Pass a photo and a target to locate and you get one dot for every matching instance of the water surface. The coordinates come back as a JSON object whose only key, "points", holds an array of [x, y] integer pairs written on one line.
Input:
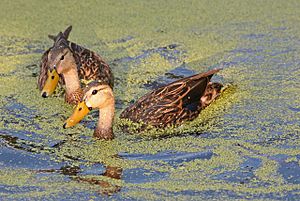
{"points": [[244, 146]]}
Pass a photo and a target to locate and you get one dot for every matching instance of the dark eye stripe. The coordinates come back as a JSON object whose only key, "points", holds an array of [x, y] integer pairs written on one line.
{"points": [[102, 88]]}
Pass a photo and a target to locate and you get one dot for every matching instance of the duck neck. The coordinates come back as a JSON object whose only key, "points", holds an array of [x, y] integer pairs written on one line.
{"points": [[104, 128], [73, 89]]}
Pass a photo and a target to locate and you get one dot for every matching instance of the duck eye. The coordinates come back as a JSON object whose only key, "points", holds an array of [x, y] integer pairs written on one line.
{"points": [[94, 92], [62, 57]]}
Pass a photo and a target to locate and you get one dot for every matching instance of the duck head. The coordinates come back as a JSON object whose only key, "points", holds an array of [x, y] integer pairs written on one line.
{"points": [[59, 55], [96, 96]]}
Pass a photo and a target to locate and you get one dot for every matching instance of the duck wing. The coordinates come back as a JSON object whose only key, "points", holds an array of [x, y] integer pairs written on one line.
{"points": [[171, 104]]}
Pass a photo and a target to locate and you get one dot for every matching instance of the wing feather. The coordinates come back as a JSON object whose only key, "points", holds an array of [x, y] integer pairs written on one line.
{"points": [[171, 104]]}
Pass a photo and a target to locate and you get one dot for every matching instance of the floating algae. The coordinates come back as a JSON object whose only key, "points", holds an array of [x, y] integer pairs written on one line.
{"points": [[244, 145]]}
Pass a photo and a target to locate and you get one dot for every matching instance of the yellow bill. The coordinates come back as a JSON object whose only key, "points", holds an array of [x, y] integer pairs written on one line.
{"points": [[79, 113], [50, 83]]}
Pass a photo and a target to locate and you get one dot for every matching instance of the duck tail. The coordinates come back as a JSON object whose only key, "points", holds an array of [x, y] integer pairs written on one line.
{"points": [[212, 91]]}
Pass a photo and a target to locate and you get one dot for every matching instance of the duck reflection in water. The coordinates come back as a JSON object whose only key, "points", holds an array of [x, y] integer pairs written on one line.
{"points": [[106, 188]]}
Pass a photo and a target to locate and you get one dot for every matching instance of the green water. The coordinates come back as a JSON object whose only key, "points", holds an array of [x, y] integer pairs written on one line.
{"points": [[244, 146]]}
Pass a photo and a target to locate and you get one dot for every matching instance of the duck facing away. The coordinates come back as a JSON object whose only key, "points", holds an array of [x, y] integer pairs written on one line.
{"points": [[73, 63], [172, 104]]}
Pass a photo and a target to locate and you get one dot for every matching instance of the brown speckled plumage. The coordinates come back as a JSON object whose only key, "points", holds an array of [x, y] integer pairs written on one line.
{"points": [[75, 97], [105, 134], [212, 91], [90, 66], [175, 102]]}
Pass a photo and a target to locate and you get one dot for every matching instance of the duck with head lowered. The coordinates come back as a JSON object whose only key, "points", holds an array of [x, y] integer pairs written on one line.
{"points": [[169, 105], [71, 63]]}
